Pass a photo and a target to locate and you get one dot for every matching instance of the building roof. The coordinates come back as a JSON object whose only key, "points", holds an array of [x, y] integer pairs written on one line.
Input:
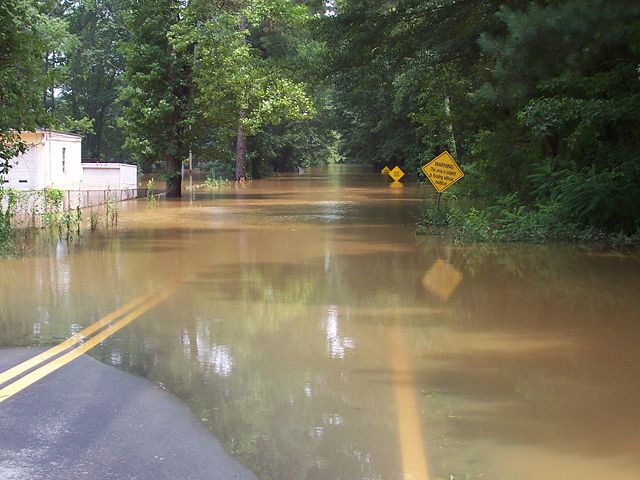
{"points": [[43, 131], [57, 132], [106, 165]]}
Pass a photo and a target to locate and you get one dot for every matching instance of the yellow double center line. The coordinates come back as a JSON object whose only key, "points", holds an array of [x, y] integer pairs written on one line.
{"points": [[136, 308], [412, 449]]}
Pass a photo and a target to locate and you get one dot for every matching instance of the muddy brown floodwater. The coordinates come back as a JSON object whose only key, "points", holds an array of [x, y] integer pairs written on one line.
{"points": [[318, 338]]}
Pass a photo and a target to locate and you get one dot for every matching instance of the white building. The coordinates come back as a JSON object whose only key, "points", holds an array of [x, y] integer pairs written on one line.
{"points": [[54, 159], [113, 176]]}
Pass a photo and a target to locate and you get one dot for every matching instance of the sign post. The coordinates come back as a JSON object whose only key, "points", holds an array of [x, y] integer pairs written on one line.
{"points": [[442, 172]]}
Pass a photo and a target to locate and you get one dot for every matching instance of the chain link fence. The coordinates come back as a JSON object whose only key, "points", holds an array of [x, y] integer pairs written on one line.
{"points": [[32, 205]]}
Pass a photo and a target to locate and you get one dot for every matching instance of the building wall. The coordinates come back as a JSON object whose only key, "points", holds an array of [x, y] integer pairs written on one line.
{"points": [[65, 162], [23, 172], [100, 178], [114, 176], [129, 176], [41, 166]]}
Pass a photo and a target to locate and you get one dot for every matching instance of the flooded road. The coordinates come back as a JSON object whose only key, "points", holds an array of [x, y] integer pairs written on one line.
{"points": [[318, 338]]}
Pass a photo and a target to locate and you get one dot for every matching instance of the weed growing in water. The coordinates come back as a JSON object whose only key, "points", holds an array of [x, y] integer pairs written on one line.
{"points": [[152, 195], [212, 183], [112, 209], [8, 203], [52, 215], [71, 219], [93, 219]]}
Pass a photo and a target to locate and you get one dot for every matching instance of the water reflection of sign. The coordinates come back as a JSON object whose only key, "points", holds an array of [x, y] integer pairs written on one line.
{"points": [[442, 172], [396, 173], [442, 279], [385, 171]]}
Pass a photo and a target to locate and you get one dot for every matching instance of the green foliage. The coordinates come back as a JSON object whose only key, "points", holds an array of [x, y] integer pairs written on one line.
{"points": [[8, 203], [282, 148], [93, 219], [540, 101], [24, 39], [155, 116], [566, 70], [212, 183], [230, 74], [93, 77], [543, 97], [509, 221], [219, 169], [53, 213], [152, 194], [112, 210]]}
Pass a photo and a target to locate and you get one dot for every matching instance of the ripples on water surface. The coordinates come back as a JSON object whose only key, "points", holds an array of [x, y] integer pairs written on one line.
{"points": [[319, 339]]}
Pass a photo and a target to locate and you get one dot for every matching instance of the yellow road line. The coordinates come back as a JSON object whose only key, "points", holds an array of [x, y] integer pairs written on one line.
{"points": [[414, 461], [81, 335], [31, 378]]}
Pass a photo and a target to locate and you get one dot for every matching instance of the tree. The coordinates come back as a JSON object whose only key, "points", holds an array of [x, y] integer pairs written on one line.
{"points": [[94, 71], [25, 39], [157, 89], [567, 74], [236, 85]]}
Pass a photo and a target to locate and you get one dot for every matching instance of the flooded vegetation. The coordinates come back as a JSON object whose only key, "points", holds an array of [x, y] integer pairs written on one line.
{"points": [[319, 338]]}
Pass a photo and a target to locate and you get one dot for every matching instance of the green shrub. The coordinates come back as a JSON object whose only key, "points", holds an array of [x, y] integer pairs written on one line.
{"points": [[506, 220]]}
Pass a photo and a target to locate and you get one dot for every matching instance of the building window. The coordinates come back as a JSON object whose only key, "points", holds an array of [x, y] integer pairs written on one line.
{"points": [[64, 160]]}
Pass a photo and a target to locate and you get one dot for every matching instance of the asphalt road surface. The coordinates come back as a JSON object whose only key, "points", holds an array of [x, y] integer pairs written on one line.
{"points": [[91, 421]]}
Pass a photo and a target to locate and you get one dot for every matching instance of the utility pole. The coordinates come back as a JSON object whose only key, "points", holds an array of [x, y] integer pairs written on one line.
{"points": [[190, 175]]}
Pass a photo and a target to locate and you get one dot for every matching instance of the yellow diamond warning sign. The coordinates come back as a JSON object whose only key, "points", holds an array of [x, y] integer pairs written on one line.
{"points": [[385, 171], [396, 173], [442, 172]]}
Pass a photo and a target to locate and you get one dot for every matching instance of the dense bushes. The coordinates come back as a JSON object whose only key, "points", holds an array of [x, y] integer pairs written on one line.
{"points": [[509, 221], [541, 100]]}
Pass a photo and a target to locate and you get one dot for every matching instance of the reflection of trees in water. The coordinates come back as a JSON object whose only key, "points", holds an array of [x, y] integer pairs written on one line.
{"points": [[527, 299], [36, 308], [565, 274], [48, 296], [248, 348], [286, 361]]}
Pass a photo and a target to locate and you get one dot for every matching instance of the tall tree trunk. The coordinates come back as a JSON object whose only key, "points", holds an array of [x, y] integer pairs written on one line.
{"points": [[241, 150], [174, 179], [45, 94], [447, 109], [241, 141]]}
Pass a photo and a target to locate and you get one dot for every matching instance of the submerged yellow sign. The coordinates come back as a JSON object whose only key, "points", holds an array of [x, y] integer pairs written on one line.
{"points": [[385, 171], [442, 172], [396, 173]]}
